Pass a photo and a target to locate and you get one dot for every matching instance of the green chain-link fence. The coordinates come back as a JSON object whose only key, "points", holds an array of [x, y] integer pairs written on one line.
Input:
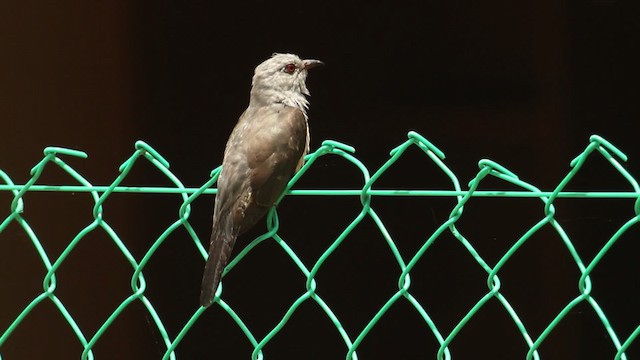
{"points": [[351, 337]]}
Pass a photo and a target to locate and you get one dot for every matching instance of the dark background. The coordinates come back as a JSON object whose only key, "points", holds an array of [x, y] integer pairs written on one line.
{"points": [[524, 83]]}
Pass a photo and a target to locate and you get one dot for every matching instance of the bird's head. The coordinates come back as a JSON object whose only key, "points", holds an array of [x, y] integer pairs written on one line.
{"points": [[281, 79]]}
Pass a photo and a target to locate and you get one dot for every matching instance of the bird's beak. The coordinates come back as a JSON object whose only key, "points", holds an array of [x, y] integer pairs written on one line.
{"points": [[310, 63]]}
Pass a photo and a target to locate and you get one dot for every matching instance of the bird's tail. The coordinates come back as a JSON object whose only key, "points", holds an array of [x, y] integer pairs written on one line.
{"points": [[222, 242]]}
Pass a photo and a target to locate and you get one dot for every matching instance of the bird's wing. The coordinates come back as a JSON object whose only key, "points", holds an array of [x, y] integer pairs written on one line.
{"points": [[276, 149], [262, 154]]}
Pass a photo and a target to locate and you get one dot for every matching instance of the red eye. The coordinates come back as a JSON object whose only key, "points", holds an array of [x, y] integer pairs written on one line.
{"points": [[289, 68]]}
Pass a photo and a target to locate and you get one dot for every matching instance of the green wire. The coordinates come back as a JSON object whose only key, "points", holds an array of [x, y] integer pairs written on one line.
{"points": [[351, 338]]}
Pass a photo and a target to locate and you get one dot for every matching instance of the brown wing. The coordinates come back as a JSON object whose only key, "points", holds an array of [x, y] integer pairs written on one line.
{"points": [[276, 154], [274, 143], [263, 152]]}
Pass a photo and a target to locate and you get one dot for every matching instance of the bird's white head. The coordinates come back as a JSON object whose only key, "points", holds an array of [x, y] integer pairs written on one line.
{"points": [[281, 79]]}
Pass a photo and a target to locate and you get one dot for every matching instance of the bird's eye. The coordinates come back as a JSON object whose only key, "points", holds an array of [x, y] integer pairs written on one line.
{"points": [[289, 68]]}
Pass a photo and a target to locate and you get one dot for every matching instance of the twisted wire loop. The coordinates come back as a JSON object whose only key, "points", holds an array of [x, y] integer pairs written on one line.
{"points": [[352, 338]]}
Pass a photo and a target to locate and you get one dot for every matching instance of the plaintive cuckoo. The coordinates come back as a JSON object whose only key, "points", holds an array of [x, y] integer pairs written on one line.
{"points": [[265, 149]]}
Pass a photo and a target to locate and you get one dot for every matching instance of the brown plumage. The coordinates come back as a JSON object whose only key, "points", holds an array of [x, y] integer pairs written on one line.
{"points": [[265, 149]]}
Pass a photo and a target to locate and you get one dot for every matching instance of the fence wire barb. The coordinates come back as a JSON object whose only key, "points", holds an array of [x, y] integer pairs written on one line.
{"points": [[352, 338]]}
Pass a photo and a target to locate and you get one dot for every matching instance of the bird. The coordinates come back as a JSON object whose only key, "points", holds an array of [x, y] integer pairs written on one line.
{"points": [[265, 149]]}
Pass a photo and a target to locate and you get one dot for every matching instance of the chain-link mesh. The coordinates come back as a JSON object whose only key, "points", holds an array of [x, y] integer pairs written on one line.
{"points": [[352, 338]]}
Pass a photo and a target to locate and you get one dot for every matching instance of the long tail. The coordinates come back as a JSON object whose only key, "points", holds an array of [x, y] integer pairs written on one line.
{"points": [[222, 242]]}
